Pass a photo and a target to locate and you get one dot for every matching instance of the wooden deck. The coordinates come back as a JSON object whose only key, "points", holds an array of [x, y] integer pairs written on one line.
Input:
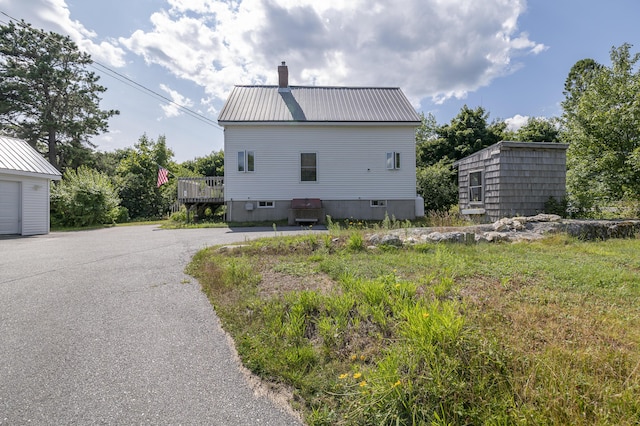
{"points": [[205, 190]]}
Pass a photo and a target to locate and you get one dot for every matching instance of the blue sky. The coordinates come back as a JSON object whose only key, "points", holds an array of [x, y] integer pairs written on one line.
{"points": [[509, 56]]}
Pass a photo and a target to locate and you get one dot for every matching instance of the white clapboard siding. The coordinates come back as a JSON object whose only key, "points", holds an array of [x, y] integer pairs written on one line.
{"points": [[351, 162]]}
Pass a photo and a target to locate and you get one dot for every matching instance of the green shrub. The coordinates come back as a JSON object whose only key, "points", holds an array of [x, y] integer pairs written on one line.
{"points": [[180, 215], [122, 214], [356, 242], [437, 185], [553, 206], [83, 198]]}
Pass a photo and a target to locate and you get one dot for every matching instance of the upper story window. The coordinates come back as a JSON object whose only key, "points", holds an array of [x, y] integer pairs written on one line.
{"points": [[475, 187], [308, 167], [393, 160], [246, 161]]}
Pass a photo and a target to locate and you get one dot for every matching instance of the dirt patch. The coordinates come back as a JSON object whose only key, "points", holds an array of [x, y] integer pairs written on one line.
{"points": [[276, 283]]}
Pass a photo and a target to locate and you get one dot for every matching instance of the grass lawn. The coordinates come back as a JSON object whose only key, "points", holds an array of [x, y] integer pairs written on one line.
{"points": [[543, 332]]}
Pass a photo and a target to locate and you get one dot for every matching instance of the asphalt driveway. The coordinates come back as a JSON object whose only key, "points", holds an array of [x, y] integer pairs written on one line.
{"points": [[103, 327]]}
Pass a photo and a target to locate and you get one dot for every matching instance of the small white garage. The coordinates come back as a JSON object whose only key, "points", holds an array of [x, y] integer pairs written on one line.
{"points": [[24, 188]]}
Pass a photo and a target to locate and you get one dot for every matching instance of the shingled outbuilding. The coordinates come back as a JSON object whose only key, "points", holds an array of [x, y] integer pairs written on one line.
{"points": [[511, 179]]}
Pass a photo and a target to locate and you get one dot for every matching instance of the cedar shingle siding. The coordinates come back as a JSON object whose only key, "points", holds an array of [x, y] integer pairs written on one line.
{"points": [[518, 178]]}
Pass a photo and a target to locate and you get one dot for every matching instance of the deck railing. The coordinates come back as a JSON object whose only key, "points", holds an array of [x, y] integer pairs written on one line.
{"points": [[208, 189]]}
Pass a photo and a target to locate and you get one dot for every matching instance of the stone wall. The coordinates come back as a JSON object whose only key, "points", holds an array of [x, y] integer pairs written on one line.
{"points": [[511, 229]]}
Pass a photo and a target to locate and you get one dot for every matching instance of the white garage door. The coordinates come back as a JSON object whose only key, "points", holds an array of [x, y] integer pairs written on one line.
{"points": [[9, 207]]}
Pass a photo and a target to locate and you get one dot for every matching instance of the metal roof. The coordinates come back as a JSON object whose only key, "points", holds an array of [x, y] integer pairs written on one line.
{"points": [[19, 158], [317, 104]]}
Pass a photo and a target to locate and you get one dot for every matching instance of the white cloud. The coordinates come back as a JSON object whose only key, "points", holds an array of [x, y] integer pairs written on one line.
{"points": [[54, 15], [173, 109], [516, 122], [435, 49], [430, 48]]}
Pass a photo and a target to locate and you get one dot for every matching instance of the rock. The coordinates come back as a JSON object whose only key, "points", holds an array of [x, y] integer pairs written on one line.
{"points": [[374, 239], [512, 229], [452, 237], [502, 225], [225, 249], [543, 217], [391, 240], [626, 229], [509, 224], [602, 229], [491, 237]]}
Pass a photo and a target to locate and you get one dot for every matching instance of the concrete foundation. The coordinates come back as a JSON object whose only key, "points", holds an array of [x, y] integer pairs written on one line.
{"points": [[250, 210]]}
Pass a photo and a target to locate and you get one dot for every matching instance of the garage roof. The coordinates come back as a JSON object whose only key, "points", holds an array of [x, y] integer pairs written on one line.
{"points": [[17, 157]]}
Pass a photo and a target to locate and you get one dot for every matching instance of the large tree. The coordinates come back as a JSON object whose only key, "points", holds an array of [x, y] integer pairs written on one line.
{"points": [[602, 120], [211, 165], [137, 175], [437, 147], [467, 133], [47, 94], [538, 130]]}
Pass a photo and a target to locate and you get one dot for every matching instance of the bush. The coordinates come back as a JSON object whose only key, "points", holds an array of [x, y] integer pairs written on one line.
{"points": [[180, 215], [84, 197], [553, 206], [437, 185], [122, 214]]}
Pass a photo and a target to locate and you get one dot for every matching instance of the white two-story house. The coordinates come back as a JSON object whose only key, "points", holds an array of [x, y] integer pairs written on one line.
{"points": [[350, 149]]}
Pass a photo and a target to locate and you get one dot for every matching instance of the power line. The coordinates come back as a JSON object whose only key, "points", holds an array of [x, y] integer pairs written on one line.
{"points": [[132, 83], [140, 87]]}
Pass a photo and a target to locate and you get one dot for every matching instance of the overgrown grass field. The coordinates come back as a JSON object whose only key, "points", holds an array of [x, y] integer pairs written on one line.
{"points": [[541, 332]]}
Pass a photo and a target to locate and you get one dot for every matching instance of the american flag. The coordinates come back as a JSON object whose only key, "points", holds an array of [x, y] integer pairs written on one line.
{"points": [[163, 176]]}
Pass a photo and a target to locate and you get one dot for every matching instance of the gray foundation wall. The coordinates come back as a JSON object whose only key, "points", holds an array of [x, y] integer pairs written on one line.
{"points": [[248, 210]]}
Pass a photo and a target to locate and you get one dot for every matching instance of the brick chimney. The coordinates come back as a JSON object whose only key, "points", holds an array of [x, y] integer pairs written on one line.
{"points": [[283, 77]]}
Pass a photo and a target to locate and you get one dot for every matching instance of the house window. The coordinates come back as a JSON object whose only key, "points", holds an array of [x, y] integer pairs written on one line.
{"points": [[308, 167], [266, 204], [246, 161], [393, 160], [378, 203], [475, 187]]}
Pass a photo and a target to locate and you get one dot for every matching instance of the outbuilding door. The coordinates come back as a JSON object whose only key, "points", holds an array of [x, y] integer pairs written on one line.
{"points": [[9, 207]]}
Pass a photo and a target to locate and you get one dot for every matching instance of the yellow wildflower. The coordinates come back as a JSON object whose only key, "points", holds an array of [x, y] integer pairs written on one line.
{"points": [[343, 376], [357, 375], [396, 384], [354, 357], [361, 357], [363, 384], [425, 315]]}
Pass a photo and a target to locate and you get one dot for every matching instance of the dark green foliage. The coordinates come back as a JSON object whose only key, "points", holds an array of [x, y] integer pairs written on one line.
{"points": [[137, 176], [437, 147], [211, 165], [467, 133], [47, 95], [84, 197], [553, 206], [437, 184], [538, 130], [602, 118]]}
